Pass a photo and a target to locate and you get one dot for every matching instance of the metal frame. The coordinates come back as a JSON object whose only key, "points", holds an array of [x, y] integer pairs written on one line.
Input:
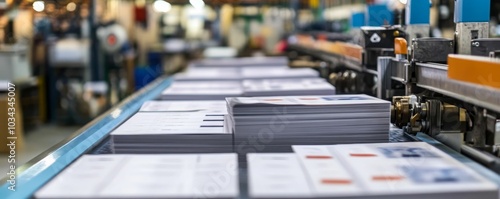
{"points": [[430, 76], [34, 174], [434, 77]]}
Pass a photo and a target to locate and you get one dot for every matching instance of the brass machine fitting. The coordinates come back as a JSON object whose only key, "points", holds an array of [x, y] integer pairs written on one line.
{"points": [[430, 116], [400, 111]]}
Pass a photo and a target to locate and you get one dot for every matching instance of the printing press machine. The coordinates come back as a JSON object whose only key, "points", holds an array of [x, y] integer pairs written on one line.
{"points": [[457, 114], [444, 88]]}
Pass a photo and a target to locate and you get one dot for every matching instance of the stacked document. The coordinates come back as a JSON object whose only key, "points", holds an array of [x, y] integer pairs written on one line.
{"points": [[412, 170], [232, 74], [273, 124], [146, 176], [277, 73], [219, 90], [172, 132], [209, 74], [207, 106], [202, 90], [243, 62], [286, 87]]}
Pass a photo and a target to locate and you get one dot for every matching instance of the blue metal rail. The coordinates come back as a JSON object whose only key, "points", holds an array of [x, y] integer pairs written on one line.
{"points": [[33, 175]]}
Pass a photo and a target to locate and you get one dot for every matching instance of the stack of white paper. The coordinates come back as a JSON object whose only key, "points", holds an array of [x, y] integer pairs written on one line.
{"points": [[147, 176], [172, 132], [232, 74], [208, 106], [390, 170], [209, 74], [202, 90], [273, 124], [219, 90], [286, 87], [277, 73], [242, 62]]}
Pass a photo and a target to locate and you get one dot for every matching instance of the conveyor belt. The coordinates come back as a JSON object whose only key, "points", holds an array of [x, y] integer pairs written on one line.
{"points": [[434, 77], [94, 139]]}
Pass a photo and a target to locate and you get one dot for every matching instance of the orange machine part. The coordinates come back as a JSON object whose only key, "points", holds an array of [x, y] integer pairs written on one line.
{"points": [[474, 69], [400, 46], [352, 51], [340, 48]]}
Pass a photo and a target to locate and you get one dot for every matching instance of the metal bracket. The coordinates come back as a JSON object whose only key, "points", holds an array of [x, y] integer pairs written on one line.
{"points": [[466, 32]]}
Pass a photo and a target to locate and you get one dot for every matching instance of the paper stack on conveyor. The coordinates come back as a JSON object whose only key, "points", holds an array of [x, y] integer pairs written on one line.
{"points": [[382, 171], [229, 74], [209, 106], [172, 132], [209, 74], [219, 90], [146, 176], [242, 62], [273, 124], [202, 90], [286, 87], [277, 73]]}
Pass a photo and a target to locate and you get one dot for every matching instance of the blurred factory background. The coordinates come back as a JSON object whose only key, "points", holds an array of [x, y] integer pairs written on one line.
{"points": [[71, 60]]}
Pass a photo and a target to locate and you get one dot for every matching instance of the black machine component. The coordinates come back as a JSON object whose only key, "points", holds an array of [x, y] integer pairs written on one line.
{"points": [[483, 47], [370, 56], [349, 82], [378, 41], [495, 54], [380, 37], [431, 49]]}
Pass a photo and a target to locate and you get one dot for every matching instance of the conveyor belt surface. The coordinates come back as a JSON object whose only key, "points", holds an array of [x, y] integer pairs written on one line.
{"points": [[94, 139]]}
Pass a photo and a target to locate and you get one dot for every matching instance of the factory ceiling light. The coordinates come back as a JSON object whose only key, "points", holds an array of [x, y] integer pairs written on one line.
{"points": [[38, 6], [161, 6], [71, 7], [403, 1]]}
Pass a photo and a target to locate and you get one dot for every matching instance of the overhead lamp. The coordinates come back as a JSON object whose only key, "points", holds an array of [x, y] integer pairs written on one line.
{"points": [[71, 7], [403, 1], [162, 6], [198, 4], [38, 6]]}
